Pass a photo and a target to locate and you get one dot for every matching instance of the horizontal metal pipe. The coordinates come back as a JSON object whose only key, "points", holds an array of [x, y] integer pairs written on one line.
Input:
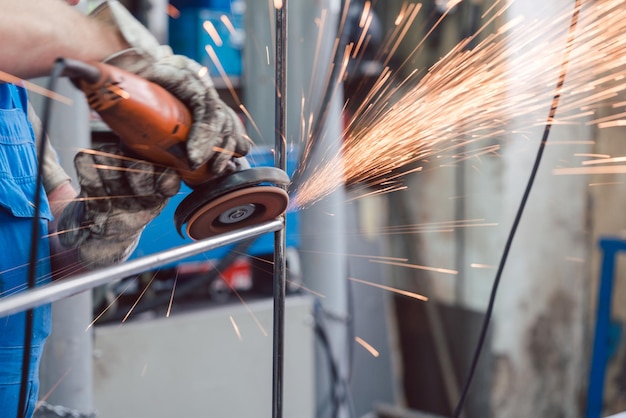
{"points": [[71, 286]]}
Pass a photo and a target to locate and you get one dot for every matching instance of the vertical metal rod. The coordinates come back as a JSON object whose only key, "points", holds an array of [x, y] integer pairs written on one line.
{"points": [[280, 236]]}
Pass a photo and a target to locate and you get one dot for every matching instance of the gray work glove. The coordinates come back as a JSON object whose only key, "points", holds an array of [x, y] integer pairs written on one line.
{"points": [[118, 197], [217, 134]]}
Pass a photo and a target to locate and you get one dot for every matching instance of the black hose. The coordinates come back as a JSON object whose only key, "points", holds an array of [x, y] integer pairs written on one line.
{"points": [[32, 267], [520, 211]]}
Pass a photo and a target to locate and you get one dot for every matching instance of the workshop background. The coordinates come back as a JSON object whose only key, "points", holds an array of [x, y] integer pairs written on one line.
{"points": [[355, 346]]}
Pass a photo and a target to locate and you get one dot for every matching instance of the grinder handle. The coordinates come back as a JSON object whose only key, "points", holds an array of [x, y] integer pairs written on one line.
{"points": [[149, 120]]}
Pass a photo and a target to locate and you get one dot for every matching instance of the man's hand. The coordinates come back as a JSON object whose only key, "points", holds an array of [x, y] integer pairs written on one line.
{"points": [[217, 134], [119, 196]]}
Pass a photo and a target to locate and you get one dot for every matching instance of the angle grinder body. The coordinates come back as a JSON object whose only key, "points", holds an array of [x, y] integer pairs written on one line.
{"points": [[153, 125]]}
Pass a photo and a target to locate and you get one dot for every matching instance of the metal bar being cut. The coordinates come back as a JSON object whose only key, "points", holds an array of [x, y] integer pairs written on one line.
{"points": [[71, 286], [280, 268]]}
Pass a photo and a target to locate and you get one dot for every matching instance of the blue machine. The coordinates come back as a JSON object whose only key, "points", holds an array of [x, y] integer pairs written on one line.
{"points": [[210, 24]]}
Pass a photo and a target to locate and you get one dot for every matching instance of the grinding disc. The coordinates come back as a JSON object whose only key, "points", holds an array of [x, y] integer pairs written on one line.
{"points": [[204, 195], [235, 210]]}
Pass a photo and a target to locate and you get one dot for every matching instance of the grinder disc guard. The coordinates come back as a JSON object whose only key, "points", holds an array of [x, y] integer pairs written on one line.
{"points": [[240, 199]]}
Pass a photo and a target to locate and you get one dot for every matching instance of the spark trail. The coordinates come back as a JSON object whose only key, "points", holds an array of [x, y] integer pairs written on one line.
{"points": [[473, 97]]}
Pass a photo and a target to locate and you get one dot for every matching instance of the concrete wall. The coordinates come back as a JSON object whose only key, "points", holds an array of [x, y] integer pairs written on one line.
{"points": [[539, 335], [607, 194]]}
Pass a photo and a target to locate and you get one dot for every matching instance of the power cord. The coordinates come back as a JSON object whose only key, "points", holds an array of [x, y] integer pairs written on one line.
{"points": [[340, 390], [520, 210], [33, 257]]}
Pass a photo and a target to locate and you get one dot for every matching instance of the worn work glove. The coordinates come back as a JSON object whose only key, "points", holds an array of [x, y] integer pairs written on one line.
{"points": [[217, 134], [118, 197]]}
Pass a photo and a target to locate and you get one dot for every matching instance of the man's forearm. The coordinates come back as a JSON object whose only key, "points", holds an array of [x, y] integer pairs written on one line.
{"points": [[34, 33]]}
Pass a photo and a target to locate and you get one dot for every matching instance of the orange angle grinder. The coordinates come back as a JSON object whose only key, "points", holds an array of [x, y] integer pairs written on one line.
{"points": [[153, 125]]}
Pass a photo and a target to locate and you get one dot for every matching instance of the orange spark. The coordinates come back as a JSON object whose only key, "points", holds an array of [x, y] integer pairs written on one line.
{"points": [[356, 255], [367, 346], [391, 289], [444, 226], [365, 15], [113, 302], [482, 266], [235, 327], [169, 306], [172, 11], [119, 91], [592, 155], [608, 183], [216, 61], [229, 25], [212, 31], [620, 169], [243, 302], [52, 389], [605, 160], [139, 298], [480, 94], [8, 78], [417, 267]]}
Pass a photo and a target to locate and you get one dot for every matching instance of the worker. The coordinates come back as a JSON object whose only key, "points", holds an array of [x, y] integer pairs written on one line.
{"points": [[93, 226]]}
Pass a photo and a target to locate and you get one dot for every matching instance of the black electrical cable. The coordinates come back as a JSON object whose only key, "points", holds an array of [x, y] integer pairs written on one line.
{"points": [[320, 330], [32, 267], [351, 334], [351, 328], [341, 392], [520, 210]]}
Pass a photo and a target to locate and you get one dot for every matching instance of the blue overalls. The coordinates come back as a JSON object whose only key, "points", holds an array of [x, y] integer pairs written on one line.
{"points": [[18, 175]]}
